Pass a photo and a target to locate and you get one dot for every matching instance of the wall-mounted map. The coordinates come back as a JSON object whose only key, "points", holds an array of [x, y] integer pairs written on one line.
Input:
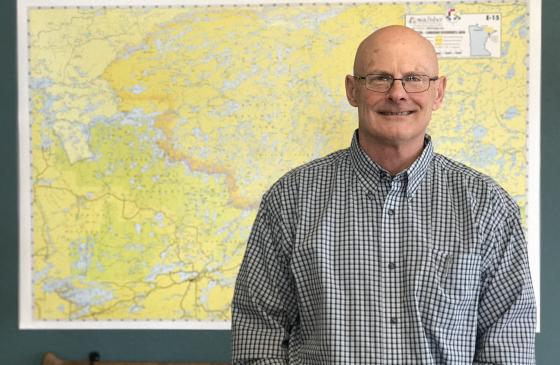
{"points": [[148, 135]]}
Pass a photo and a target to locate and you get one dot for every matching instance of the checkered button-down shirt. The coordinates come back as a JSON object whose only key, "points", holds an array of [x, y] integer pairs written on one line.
{"points": [[348, 265]]}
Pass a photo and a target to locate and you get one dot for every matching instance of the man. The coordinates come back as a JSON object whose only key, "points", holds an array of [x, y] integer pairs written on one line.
{"points": [[386, 252]]}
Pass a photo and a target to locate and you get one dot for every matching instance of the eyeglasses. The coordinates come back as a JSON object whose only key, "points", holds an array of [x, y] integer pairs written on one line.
{"points": [[411, 83]]}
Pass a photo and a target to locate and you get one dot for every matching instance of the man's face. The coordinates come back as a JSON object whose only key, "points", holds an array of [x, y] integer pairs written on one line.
{"points": [[395, 118]]}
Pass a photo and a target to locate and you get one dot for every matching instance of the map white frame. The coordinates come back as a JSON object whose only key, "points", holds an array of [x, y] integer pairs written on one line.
{"points": [[25, 228]]}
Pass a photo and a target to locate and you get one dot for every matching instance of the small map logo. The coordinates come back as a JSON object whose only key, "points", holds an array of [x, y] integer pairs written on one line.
{"points": [[453, 15]]}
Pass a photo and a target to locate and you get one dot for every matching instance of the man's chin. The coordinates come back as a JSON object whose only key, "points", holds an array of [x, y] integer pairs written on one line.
{"points": [[393, 137]]}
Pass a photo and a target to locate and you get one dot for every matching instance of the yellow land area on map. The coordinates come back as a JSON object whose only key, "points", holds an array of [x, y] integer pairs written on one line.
{"points": [[155, 131]]}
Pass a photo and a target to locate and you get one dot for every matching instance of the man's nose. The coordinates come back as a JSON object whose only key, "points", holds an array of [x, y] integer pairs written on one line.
{"points": [[397, 91]]}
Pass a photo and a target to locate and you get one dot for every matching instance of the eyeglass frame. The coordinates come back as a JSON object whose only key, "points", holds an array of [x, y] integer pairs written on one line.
{"points": [[430, 79]]}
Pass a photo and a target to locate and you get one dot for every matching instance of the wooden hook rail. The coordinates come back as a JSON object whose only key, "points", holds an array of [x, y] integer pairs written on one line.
{"points": [[95, 359]]}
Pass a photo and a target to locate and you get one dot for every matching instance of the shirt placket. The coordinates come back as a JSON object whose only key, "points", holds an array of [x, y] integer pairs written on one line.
{"points": [[390, 265]]}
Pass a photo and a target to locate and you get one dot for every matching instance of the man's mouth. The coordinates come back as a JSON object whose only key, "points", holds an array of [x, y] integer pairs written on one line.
{"points": [[397, 113]]}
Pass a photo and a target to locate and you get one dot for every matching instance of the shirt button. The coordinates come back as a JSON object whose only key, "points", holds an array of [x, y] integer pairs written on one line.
{"points": [[392, 266], [391, 212], [370, 196], [393, 320]]}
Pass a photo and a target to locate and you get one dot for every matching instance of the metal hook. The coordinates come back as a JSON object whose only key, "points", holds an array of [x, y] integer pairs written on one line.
{"points": [[93, 357]]}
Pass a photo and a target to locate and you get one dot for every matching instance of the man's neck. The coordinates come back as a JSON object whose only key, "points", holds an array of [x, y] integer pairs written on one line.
{"points": [[393, 157]]}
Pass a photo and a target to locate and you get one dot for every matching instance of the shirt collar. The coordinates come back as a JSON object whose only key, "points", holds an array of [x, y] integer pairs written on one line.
{"points": [[370, 173]]}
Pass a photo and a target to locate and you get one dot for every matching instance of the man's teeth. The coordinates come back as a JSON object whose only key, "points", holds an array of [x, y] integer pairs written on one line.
{"points": [[397, 113]]}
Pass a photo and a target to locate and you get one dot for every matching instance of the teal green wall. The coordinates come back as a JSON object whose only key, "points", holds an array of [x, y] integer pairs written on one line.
{"points": [[26, 347], [548, 341]]}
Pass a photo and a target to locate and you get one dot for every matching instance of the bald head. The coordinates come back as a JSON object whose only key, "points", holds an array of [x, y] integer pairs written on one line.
{"points": [[394, 119], [395, 38]]}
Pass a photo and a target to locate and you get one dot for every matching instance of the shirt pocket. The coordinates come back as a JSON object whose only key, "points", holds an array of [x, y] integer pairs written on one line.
{"points": [[457, 275]]}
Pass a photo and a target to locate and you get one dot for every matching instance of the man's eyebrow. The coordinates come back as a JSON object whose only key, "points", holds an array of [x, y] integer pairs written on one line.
{"points": [[385, 73]]}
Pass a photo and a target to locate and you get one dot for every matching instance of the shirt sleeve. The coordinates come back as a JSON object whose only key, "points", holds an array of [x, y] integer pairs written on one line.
{"points": [[507, 310], [264, 306]]}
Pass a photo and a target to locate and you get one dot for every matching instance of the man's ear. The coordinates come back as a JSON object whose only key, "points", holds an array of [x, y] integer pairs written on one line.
{"points": [[351, 89], [441, 83]]}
